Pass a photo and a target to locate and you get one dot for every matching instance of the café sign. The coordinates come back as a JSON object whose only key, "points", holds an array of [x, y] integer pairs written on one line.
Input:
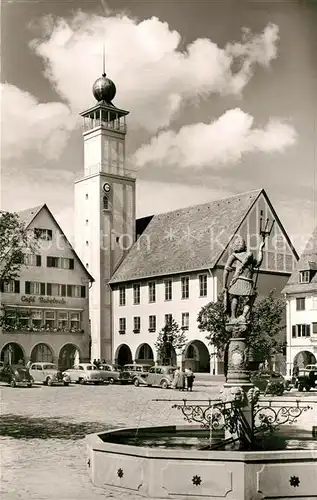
{"points": [[33, 299]]}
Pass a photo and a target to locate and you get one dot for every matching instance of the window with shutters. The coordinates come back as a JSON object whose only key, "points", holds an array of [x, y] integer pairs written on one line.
{"points": [[122, 326], [122, 296], [152, 291], [301, 330], [314, 328], [136, 294], [31, 259], [185, 321], [185, 287], [34, 288], [152, 323], [300, 304], [202, 285], [168, 319], [12, 286], [168, 289], [136, 324]]}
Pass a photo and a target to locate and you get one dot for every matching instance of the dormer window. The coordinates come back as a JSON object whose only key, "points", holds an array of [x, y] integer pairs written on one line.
{"points": [[304, 276]]}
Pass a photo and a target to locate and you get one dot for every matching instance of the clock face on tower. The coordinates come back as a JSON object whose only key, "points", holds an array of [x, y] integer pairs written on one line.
{"points": [[106, 187]]}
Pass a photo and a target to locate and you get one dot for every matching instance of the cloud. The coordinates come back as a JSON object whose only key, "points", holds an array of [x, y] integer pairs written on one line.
{"points": [[220, 142], [30, 125], [154, 76]]}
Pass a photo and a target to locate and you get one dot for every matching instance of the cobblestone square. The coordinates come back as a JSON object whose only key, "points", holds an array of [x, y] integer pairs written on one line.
{"points": [[43, 454]]}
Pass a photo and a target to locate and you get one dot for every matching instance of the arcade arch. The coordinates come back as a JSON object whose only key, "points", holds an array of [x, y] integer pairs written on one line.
{"points": [[196, 356], [304, 358], [144, 354], [123, 355], [42, 352], [12, 353], [69, 355]]}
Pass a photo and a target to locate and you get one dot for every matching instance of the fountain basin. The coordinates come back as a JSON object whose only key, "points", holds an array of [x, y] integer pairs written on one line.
{"points": [[166, 462]]}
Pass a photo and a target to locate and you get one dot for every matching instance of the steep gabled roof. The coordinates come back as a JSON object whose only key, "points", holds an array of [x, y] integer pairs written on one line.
{"points": [[307, 262], [185, 240], [27, 216]]}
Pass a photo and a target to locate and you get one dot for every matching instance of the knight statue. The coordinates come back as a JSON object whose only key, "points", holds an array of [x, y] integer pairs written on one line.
{"points": [[242, 287]]}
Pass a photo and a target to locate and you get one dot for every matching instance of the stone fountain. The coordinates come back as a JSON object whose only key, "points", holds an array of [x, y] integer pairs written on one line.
{"points": [[236, 447]]}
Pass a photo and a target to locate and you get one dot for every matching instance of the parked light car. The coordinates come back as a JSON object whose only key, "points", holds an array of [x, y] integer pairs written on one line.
{"points": [[48, 374], [161, 376], [270, 382], [16, 375], [114, 373], [85, 373], [136, 370]]}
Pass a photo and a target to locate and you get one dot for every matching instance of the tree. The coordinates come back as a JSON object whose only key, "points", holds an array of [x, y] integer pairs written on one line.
{"points": [[14, 239], [267, 321], [169, 337]]}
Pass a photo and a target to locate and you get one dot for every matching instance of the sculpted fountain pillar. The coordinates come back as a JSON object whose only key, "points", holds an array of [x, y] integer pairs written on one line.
{"points": [[239, 297]]}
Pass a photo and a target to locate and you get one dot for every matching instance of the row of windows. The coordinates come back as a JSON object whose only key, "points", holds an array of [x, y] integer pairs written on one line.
{"points": [[304, 330], [45, 320], [58, 262], [38, 288], [168, 291], [152, 323]]}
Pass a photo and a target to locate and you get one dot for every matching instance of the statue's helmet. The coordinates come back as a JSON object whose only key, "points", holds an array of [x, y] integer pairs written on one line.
{"points": [[239, 245]]}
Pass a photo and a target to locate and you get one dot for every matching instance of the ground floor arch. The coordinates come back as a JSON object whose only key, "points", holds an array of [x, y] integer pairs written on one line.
{"points": [[304, 358], [144, 354], [196, 356], [69, 355], [123, 355], [42, 352], [12, 353]]}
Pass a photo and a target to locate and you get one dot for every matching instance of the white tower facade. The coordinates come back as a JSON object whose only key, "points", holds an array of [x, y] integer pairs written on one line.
{"points": [[104, 208]]}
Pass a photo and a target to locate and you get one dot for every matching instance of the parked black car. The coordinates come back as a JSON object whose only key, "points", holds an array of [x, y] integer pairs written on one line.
{"points": [[307, 378], [16, 375], [270, 382]]}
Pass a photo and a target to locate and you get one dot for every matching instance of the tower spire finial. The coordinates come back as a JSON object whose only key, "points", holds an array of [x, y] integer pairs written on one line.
{"points": [[103, 60]]}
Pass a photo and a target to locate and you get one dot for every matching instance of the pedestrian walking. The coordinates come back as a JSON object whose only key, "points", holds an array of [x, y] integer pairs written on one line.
{"points": [[190, 379], [176, 378]]}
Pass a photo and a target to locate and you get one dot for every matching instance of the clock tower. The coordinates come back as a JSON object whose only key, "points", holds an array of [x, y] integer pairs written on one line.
{"points": [[104, 208]]}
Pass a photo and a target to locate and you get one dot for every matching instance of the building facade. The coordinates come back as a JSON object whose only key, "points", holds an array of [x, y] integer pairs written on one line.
{"points": [[47, 309], [301, 300], [176, 266]]}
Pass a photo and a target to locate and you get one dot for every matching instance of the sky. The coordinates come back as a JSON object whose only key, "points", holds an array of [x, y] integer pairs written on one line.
{"points": [[222, 98]]}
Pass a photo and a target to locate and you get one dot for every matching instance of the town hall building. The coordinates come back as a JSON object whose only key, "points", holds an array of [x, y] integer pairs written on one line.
{"points": [[163, 266]]}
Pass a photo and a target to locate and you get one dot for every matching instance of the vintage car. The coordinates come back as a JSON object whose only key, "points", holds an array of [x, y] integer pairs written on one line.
{"points": [[136, 370], [270, 382], [161, 376], [48, 374], [306, 378], [114, 374], [16, 375], [85, 373]]}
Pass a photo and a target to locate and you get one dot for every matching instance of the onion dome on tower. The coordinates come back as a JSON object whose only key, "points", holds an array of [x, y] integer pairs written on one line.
{"points": [[104, 89]]}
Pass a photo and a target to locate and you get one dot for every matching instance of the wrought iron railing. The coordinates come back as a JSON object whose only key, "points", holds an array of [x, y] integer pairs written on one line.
{"points": [[266, 416]]}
